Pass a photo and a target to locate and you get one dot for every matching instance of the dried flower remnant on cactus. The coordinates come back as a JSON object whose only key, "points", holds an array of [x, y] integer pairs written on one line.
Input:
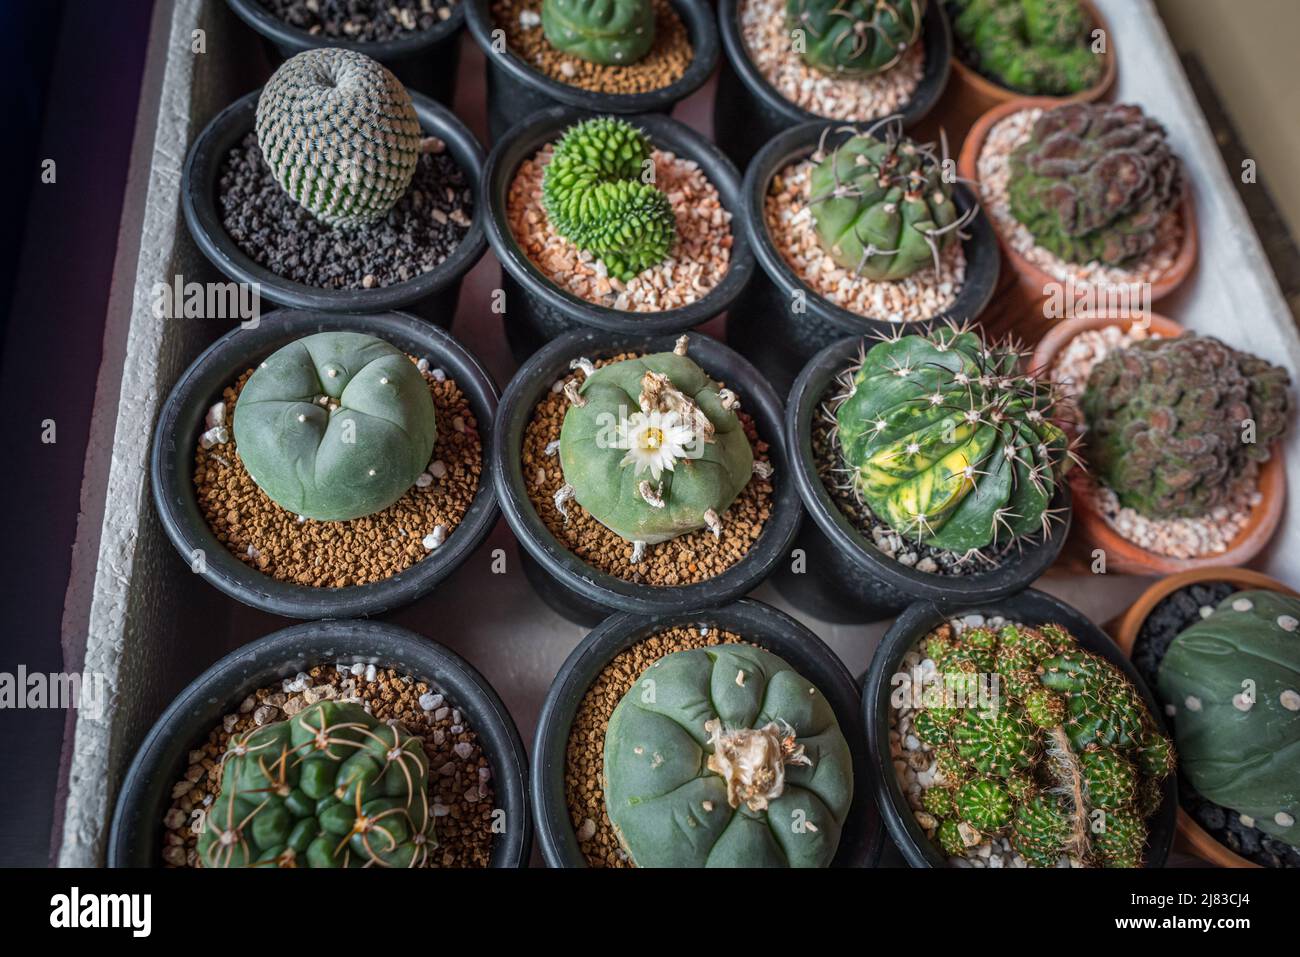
{"points": [[1038, 47], [609, 32], [854, 38]]}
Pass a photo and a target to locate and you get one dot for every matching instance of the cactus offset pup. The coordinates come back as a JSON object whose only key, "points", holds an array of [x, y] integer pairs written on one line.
{"points": [[854, 38], [608, 32]]}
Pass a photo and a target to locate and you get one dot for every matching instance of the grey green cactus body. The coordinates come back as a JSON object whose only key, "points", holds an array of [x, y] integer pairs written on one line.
{"points": [[854, 38], [609, 32]]}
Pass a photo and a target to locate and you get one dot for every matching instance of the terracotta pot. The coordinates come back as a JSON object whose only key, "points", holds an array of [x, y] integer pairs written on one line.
{"points": [[1125, 630]]}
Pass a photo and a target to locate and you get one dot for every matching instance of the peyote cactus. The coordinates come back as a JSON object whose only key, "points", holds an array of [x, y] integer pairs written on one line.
{"points": [[1233, 680], [1063, 756], [1178, 427], [329, 787], [1039, 47], [854, 37], [335, 425], [609, 32], [673, 465], [946, 440], [340, 134], [596, 195], [1094, 181], [881, 206], [726, 757]]}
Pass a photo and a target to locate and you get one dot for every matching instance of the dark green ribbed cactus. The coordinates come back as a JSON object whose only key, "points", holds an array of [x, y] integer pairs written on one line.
{"points": [[1038, 47], [335, 425], [610, 32], [329, 787], [949, 442], [1177, 427], [854, 37], [599, 194], [340, 134]]}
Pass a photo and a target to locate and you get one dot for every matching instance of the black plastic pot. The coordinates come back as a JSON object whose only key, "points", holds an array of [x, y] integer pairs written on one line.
{"points": [[517, 91], [432, 295], [181, 422], [1031, 607], [780, 331], [536, 310], [424, 61], [748, 111], [847, 579], [863, 836], [135, 838], [567, 583]]}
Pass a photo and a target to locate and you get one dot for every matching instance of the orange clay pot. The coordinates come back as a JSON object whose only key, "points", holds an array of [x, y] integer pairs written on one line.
{"points": [[1125, 630]]}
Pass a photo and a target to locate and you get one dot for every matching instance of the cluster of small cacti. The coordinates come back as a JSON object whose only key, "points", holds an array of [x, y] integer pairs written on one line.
{"points": [[854, 37], [340, 134], [1061, 755], [949, 442], [1039, 47], [331, 786], [335, 426], [1232, 682], [1176, 426], [1094, 182], [599, 194], [609, 32], [726, 757]]}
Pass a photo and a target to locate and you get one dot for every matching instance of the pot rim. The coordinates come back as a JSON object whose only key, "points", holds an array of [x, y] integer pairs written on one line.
{"points": [[283, 34]]}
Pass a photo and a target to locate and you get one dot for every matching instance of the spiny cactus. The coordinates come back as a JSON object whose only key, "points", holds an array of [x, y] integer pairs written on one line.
{"points": [[329, 787], [948, 441], [881, 206], [610, 32], [335, 425], [1094, 181], [854, 37], [599, 194], [673, 465], [340, 134], [1039, 47], [1178, 427]]}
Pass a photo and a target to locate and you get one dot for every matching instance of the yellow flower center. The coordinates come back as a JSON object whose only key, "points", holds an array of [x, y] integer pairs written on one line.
{"points": [[652, 439]]}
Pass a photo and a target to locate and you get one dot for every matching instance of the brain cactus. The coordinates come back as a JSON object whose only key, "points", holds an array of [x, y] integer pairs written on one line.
{"points": [[1094, 181], [881, 206], [674, 464], [610, 32], [1040, 47], [1234, 682], [329, 787], [340, 135], [726, 757], [1178, 427], [854, 37], [596, 195], [946, 440], [1062, 756], [335, 426]]}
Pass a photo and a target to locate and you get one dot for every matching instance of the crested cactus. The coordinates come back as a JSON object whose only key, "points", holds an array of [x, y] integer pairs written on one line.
{"points": [[609, 32], [335, 426], [1094, 181], [598, 193], [1178, 427], [949, 442], [328, 787], [726, 757], [340, 134], [854, 38], [1038, 47], [1233, 680]]}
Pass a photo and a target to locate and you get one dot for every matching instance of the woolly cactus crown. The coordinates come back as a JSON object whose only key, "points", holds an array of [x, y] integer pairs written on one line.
{"points": [[340, 134], [610, 32], [855, 37]]}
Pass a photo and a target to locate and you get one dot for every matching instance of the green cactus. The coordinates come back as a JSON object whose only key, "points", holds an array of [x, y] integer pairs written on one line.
{"points": [[938, 801], [984, 804], [609, 32], [598, 193], [855, 38], [335, 425], [1041, 828], [1038, 47], [1233, 680], [329, 787], [1178, 427], [1094, 181], [949, 837], [725, 757], [340, 134], [1000, 743], [933, 725], [946, 440]]}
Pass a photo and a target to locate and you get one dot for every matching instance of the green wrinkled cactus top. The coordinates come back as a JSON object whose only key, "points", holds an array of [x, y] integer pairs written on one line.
{"points": [[335, 425], [726, 757], [854, 38], [1038, 47], [609, 32]]}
